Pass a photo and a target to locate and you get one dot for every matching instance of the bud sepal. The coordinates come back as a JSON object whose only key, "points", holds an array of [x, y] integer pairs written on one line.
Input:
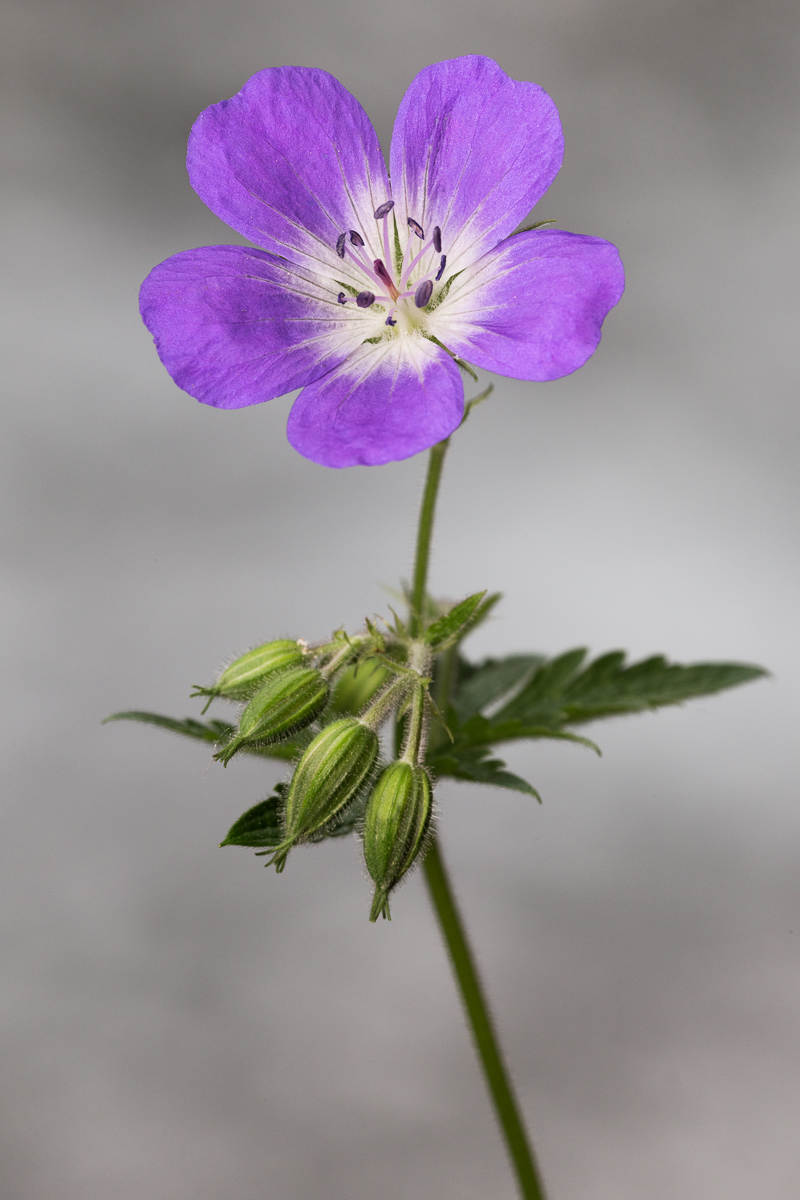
{"points": [[331, 771], [246, 674], [396, 823], [289, 701]]}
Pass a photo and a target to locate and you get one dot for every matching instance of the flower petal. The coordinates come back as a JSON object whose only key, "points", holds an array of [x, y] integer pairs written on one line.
{"points": [[387, 402], [235, 326], [472, 152], [533, 308], [290, 161]]}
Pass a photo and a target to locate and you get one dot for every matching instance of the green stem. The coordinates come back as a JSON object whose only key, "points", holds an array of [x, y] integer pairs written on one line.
{"points": [[486, 1043], [424, 533], [444, 903]]}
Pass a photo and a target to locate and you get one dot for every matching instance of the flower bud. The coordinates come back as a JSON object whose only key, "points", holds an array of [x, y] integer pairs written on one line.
{"points": [[244, 676], [288, 701], [329, 774], [396, 821], [357, 685]]}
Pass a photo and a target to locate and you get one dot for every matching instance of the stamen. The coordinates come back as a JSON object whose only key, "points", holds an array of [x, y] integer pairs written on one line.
{"points": [[389, 320], [362, 263], [416, 228], [340, 241], [384, 211], [342, 298], [365, 299], [408, 269], [440, 272], [356, 238], [437, 239], [423, 293]]}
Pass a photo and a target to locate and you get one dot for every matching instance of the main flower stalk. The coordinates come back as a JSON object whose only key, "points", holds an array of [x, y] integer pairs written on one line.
{"points": [[468, 981]]}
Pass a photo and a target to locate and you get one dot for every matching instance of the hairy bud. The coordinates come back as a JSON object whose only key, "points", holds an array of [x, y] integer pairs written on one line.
{"points": [[396, 821], [288, 701], [329, 774], [244, 676]]}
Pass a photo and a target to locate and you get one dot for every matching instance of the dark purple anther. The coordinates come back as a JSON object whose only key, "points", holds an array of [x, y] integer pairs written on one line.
{"points": [[437, 239], [440, 272], [416, 228], [383, 209], [342, 298], [389, 321], [340, 241], [356, 238], [365, 299], [423, 293]]}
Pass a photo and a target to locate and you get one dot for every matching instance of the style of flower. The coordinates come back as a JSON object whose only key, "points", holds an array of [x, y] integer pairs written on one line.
{"points": [[364, 292]]}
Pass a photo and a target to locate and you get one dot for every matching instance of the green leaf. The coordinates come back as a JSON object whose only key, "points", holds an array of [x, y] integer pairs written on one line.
{"points": [[560, 693], [215, 732], [346, 822], [473, 764], [491, 681], [204, 731], [482, 611], [453, 625], [486, 731], [260, 826]]}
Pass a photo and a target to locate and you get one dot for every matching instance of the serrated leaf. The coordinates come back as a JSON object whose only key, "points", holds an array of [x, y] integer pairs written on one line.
{"points": [[473, 764], [260, 826], [214, 732], [454, 623], [485, 731], [482, 611], [491, 681], [560, 694], [204, 731]]}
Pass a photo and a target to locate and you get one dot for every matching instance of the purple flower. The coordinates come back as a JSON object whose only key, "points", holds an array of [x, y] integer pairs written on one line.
{"points": [[365, 290]]}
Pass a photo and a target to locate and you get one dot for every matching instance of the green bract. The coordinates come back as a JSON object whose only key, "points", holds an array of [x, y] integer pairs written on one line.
{"points": [[329, 774], [397, 819], [288, 701], [245, 674]]}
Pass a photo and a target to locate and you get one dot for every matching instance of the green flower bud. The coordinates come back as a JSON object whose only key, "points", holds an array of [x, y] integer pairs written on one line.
{"points": [[288, 701], [396, 821], [329, 774], [357, 685], [244, 676]]}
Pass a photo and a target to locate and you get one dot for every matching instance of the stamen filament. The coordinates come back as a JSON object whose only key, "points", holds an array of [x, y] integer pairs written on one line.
{"points": [[387, 255], [359, 261], [407, 271]]}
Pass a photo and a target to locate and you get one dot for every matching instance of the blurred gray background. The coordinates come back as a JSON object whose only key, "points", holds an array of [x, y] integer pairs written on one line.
{"points": [[179, 1024]]}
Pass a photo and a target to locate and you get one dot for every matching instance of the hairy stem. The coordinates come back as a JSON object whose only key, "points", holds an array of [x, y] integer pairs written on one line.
{"points": [[467, 979], [424, 534], [477, 1012]]}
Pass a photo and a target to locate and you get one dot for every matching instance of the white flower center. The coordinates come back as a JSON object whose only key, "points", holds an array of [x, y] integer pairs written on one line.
{"points": [[395, 284]]}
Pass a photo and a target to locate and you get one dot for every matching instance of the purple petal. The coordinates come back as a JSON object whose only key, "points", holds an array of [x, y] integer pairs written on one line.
{"points": [[387, 402], [472, 152], [533, 308], [290, 162], [235, 326]]}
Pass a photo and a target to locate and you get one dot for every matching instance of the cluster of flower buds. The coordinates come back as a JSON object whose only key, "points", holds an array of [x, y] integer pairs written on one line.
{"points": [[336, 696]]}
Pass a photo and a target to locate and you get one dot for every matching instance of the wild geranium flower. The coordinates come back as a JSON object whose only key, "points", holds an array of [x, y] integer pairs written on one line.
{"points": [[368, 285]]}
